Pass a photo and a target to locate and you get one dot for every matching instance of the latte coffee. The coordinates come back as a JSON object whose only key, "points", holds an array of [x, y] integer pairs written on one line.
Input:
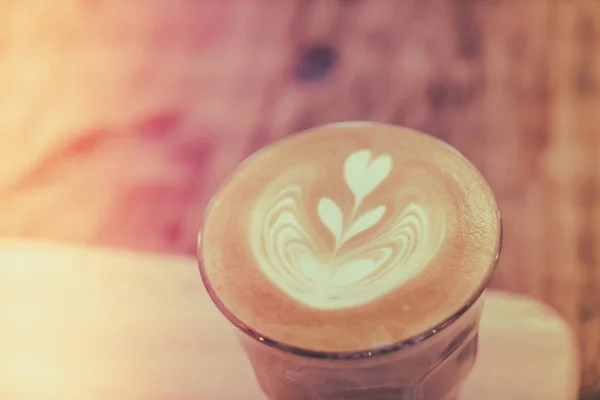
{"points": [[338, 249]]}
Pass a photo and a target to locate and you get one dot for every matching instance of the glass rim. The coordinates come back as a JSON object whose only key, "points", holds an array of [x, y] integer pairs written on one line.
{"points": [[355, 354]]}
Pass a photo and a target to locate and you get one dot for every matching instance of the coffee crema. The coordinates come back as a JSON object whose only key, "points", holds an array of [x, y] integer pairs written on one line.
{"points": [[349, 237]]}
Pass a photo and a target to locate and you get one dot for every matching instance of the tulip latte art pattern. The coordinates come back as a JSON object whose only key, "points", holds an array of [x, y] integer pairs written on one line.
{"points": [[339, 272]]}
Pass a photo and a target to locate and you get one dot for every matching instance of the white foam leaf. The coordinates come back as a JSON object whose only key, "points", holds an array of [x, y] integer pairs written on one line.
{"points": [[377, 171], [331, 216], [309, 267], [353, 272], [355, 169], [363, 174], [366, 221]]}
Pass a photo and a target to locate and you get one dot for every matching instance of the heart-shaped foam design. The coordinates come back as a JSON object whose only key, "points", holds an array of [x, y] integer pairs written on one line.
{"points": [[349, 274]]}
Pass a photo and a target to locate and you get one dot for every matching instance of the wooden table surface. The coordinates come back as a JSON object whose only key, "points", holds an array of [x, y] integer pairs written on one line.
{"points": [[119, 118], [90, 323]]}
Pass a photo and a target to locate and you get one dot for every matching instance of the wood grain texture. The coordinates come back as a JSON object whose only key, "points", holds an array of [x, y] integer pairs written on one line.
{"points": [[120, 118], [92, 323]]}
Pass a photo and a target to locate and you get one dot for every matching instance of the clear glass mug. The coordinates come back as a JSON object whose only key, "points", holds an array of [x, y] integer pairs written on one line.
{"points": [[432, 365]]}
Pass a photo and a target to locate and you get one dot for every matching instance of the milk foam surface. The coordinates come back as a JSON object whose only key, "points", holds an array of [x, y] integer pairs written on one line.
{"points": [[327, 239], [334, 273]]}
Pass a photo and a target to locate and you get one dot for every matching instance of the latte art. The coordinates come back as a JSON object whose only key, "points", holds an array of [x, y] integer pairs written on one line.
{"points": [[337, 272], [349, 236]]}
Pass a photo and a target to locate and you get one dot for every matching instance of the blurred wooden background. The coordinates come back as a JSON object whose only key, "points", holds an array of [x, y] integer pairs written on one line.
{"points": [[118, 118]]}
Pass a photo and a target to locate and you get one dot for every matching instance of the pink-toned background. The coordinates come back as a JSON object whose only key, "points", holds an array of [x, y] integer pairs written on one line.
{"points": [[119, 118]]}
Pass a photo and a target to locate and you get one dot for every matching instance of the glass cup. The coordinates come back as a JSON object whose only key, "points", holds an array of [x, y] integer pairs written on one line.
{"points": [[430, 366]]}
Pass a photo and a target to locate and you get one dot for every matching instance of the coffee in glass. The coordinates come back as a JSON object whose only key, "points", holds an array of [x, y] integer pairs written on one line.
{"points": [[352, 258]]}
